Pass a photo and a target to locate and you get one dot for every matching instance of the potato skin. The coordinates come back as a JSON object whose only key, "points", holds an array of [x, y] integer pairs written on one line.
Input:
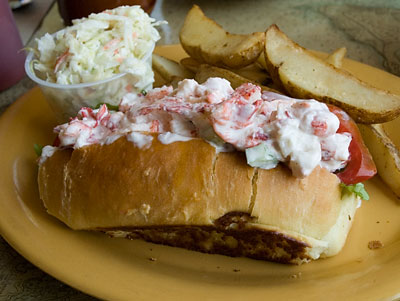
{"points": [[169, 69], [359, 114], [384, 153], [300, 74], [206, 71], [206, 41]]}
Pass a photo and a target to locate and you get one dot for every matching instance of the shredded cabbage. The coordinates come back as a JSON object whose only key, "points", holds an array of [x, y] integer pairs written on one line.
{"points": [[100, 46]]}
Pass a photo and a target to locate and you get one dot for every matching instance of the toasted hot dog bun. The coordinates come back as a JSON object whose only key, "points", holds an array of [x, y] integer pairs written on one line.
{"points": [[186, 194]]}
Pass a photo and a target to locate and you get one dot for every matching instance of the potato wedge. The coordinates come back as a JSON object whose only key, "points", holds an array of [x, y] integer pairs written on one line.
{"points": [[261, 61], [175, 81], [384, 153], [190, 64], [336, 57], [159, 81], [303, 75], [206, 71], [255, 73], [169, 69], [206, 41]]}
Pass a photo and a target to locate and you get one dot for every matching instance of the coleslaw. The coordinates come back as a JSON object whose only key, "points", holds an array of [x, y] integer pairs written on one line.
{"points": [[99, 47]]}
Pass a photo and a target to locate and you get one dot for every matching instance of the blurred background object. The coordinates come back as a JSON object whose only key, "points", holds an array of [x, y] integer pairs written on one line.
{"points": [[12, 56], [15, 4], [75, 9]]}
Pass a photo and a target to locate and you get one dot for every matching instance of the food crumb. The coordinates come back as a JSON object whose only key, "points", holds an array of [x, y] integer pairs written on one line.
{"points": [[236, 270], [295, 276], [152, 259], [377, 222], [375, 244]]}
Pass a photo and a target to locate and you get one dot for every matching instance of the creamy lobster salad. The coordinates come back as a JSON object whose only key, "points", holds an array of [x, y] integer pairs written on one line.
{"points": [[269, 127]]}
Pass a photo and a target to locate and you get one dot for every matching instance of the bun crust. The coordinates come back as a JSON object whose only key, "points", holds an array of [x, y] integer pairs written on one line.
{"points": [[185, 194]]}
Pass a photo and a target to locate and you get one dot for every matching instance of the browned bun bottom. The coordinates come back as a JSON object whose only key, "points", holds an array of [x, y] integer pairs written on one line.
{"points": [[186, 194]]}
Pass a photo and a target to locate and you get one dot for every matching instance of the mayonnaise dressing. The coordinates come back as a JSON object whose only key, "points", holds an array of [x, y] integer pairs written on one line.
{"points": [[301, 133], [168, 137], [47, 152], [140, 140]]}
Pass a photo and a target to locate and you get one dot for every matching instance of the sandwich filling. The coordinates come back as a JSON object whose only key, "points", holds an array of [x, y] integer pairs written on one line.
{"points": [[269, 127]]}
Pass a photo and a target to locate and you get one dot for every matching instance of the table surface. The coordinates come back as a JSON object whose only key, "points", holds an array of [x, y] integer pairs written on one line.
{"points": [[368, 29]]}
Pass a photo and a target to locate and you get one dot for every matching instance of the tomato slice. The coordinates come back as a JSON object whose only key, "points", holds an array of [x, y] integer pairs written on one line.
{"points": [[360, 166], [56, 141]]}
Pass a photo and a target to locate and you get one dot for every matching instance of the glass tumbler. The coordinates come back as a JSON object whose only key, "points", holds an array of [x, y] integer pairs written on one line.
{"points": [[12, 55]]}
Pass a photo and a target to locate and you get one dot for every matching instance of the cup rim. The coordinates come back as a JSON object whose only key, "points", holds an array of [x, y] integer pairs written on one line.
{"points": [[31, 74]]}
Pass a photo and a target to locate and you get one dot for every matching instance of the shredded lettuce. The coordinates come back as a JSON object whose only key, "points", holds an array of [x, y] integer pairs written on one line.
{"points": [[38, 149], [262, 156], [358, 189], [110, 107]]}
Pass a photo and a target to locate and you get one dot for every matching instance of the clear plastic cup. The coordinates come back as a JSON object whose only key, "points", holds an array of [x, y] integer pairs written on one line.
{"points": [[67, 100], [11, 54]]}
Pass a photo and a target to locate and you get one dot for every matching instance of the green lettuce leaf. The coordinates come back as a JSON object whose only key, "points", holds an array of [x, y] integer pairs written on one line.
{"points": [[109, 106], [38, 149], [358, 189]]}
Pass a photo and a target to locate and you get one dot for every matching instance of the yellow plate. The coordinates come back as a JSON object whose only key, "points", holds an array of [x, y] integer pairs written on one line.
{"points": [[134, 270]]}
